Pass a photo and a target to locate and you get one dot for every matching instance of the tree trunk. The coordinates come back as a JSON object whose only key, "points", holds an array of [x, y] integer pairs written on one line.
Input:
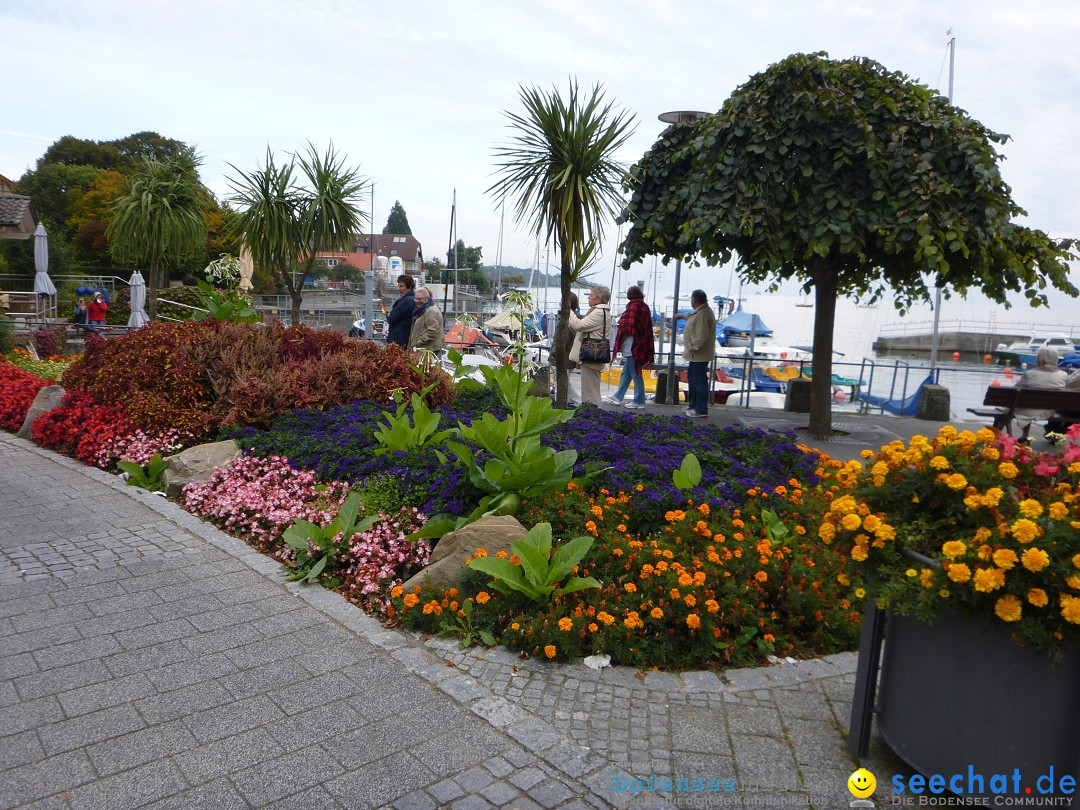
{"points": [[825, 273], [560, 345], [152, 288]]}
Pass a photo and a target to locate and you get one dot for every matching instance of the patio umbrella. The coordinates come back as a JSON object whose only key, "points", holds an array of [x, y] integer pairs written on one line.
{"points": [[138, 300], [42, 283]]}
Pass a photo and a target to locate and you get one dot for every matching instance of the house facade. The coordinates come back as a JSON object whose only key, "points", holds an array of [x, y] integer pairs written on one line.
{"points": [[391, 254]]}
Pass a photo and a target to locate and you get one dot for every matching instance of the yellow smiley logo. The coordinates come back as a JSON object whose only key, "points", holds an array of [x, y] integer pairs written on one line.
{"points": [[861, 783]]}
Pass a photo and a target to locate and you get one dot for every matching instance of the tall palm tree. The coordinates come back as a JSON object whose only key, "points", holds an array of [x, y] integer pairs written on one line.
{"points": [[564, 182], [286, 224], [160, 217]]}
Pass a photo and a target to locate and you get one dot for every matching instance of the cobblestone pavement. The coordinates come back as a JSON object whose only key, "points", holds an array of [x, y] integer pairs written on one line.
{"points": [[148, 660]]}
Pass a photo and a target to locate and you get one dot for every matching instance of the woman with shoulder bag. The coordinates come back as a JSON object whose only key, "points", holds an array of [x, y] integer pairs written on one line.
{"points": [[592, 349]]}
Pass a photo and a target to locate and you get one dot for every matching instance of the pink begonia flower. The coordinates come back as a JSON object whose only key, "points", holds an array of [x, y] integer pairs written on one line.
{"points": [[1046, 468]]}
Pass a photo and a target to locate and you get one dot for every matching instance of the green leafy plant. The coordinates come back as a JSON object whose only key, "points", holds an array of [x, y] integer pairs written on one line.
{"points": [[538, 573], [401, 434], [152, 477], [319, 547], [688, 475], [462, 624], [225, 305]]}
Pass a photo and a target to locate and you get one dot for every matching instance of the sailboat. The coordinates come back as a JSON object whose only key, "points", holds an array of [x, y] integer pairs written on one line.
{"points": [[806, 302]]}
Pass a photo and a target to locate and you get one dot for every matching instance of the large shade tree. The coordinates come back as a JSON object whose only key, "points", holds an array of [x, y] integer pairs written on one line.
{"points": [[290, 212], [850, 178], [560, 173], [159, 219]]}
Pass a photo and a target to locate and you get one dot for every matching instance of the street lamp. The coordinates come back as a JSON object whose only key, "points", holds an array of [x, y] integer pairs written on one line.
{"points": [[677, 118]]}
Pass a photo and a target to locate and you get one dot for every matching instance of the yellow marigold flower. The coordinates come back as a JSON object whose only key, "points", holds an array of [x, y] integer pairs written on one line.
{"points": [[629, 587], [1073, 582], [953, 549], [550, 651], [1037, 597], [1008, 608], [1076, 560], [1057, 510], [944, 593], [593, 627], [827, 532], [693, 621], [411, 600], [1031, 508], [991, 453], [851, 522], [871, 523], [656, 613], [860, 593], [483, 597], [982, 534], [566, 624], [1035, 559], [712, 605], [1007, 469], [1005, 558], [396, 591], [985, 435], [956, 481], [973, 502], [860, 553], [989, 579], [993, 496], [947, 433], [939, 463], [1025, 530], [843, 579], [1070, 609], [885, 532], [926, 577], [958, 572], [911, 572]]}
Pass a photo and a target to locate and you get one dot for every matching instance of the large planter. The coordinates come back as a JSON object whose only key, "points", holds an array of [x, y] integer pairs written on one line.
{"points": [[959, 693]]}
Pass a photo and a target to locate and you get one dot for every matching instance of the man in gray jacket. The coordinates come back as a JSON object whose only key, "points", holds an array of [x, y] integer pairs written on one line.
{"points": [[699, 349], [427, 327]]}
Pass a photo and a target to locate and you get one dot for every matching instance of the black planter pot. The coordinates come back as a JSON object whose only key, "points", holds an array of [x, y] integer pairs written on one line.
{"points": [[959, 694]]}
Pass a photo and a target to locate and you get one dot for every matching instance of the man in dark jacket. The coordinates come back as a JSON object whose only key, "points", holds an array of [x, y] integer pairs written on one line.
{"points": [[401, 316]]}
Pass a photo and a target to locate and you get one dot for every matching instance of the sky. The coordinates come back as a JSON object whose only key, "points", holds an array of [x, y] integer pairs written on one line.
{"points": [[415, 92]]}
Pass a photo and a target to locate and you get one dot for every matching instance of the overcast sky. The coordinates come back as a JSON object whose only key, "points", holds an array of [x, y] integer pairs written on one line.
{"points": [[413, 91]]}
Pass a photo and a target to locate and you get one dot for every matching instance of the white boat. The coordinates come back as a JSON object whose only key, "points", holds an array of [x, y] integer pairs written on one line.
{"points": [[1025, 352]]}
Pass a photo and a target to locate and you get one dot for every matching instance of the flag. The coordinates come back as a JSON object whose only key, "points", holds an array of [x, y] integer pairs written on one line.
{"points": [[383, 308]]}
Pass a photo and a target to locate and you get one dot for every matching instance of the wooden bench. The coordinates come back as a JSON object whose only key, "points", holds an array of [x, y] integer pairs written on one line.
{"points": [[1001, 403]]}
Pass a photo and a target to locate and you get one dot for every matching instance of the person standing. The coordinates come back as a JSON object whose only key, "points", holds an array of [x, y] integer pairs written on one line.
{"points": [[634, 340], [699, 349], [400, 319], [596, 323], [427, 324], [97, 309]]}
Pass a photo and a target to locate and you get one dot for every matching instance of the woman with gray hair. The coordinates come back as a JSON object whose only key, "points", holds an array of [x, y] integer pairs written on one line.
{"points": [[1044, 375], [596, 323]]}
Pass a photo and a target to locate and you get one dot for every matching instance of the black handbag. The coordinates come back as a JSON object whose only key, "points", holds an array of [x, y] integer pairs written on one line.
{"points": [[596, 350]]}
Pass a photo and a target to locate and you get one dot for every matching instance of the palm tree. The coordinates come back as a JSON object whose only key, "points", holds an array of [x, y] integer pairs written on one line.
{"points": [[160, 217], [564, 182], [286, 225]]}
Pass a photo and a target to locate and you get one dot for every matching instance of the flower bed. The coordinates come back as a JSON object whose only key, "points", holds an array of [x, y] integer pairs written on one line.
{"points": [[998, 528], [17, 391]]}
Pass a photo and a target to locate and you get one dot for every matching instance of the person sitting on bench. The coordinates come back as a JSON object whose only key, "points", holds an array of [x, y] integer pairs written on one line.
{"points": [[1045, 375]]}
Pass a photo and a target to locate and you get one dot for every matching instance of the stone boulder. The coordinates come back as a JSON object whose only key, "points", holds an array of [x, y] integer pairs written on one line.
{"points": [[493, 534], [47, 399], [196, 464]]}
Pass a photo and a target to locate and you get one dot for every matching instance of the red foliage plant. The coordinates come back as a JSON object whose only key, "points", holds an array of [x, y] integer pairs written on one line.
{"points": [[17, 391], [198, 376]]}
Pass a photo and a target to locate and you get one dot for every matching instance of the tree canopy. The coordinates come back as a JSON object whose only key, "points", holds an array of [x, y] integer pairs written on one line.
{"points": [[850, 178], [398, 221]]}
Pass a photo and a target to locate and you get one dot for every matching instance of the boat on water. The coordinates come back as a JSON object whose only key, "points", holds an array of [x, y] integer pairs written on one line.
{"points": [[740, 328], [1024, 352]]}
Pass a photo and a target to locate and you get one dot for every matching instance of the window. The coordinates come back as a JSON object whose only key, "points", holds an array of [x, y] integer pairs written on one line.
{"points": [[399, 238], [393, 253]]}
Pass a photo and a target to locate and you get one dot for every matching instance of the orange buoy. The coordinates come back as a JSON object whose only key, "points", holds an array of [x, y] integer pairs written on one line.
{"points": [[839, 396], [995, 383], [955, 356], [1008, 372], [987, 359]]}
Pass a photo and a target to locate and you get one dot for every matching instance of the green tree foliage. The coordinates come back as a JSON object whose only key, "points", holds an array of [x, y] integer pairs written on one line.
{"points": [[470, 266], [562, 178], [397, 222], [123, 155], [850, 178], [286, 223], [160, 218]]}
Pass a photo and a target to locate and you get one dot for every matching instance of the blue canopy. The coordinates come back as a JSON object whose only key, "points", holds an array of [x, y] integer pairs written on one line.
{"points": [[741, 322]]}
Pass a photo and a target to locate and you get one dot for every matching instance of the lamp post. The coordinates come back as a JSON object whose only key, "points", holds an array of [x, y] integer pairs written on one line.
{"points": [[677, 118]]}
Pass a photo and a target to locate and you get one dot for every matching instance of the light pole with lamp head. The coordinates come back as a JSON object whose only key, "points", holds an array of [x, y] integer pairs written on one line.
{"points": [[677, 118]]}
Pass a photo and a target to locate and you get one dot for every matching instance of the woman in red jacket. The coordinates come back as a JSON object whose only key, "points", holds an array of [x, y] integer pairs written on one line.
{"points": [[97, 309], [635, 341]]}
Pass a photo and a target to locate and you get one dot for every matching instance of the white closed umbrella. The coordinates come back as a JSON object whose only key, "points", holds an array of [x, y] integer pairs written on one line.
{"points": [[247, 268], [138, 300], [42, 283]]}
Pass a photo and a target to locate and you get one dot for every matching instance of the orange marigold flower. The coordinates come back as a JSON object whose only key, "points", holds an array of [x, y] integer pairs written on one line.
{"points": [[483, 597], [958, 572], [761, 576], [712, 606], [1005, 558], [396, 591], [593, 627], [515, 626], [1070, 609], [480, 552], [1007, 469], [1008, 608], [656, 613], [988, 579], [1035, 559], [605, 617], [566, 624], [630, 587], [674, 593], [550, 651], [502, 555], [411, 599], [693, 621], [515, 559], [1038, 597], [690, 600]]}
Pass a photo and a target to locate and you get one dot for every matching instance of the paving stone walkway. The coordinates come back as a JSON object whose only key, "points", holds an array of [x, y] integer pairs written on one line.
{"points": [[148, 660]]}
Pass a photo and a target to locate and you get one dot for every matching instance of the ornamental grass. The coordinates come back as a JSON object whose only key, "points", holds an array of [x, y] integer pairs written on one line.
{"points": [[970, 522], [714, 587]]}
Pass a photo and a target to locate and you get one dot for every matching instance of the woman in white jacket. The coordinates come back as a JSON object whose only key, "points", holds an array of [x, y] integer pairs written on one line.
{"points": [[596, 323]]}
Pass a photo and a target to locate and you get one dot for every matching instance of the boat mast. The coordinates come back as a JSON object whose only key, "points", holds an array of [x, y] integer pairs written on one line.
{"points": [[935, 338]]}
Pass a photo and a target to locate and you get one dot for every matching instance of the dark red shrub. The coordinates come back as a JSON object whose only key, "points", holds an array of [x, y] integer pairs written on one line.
{"points": [[80, 428], [17, 391]]}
